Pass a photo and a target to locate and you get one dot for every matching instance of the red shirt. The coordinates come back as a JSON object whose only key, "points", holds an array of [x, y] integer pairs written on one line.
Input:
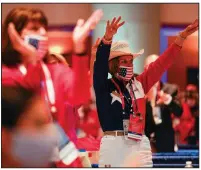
{"points": [[90, 125], [70, 85], [187, 122]]}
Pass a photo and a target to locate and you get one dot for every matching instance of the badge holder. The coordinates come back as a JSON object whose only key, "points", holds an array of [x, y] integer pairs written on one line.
{"points": [[135, 128], [125, 126]]}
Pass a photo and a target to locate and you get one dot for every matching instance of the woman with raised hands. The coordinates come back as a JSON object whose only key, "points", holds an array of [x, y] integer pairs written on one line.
{"points": [[23, 65], [120, 100]]}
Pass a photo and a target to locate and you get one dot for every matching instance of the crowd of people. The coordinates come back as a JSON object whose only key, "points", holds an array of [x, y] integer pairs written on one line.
{"points": [[49, 111]]}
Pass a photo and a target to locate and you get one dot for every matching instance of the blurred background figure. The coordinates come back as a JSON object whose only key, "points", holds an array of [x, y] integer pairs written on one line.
{"points": [[187, 125], [161, 103], [27, 139], [24, 63], [56, 58], [88, 121], [88, 127]]}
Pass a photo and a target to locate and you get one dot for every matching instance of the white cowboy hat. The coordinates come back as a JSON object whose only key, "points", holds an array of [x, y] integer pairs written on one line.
{"points": [[121, 48], [60, 58]]}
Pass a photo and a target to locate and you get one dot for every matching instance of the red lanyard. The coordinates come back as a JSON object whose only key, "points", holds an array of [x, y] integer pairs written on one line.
{"points": [[122, 96], [133, 97]]}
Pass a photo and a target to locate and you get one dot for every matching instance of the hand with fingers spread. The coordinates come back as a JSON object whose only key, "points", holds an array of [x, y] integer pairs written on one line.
{"points": [[112, 28], [190, 29], [27, 51], [82, 30]]}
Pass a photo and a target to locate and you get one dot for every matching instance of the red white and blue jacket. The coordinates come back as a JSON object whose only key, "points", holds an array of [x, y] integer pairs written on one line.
{"points": [[109, 105]]}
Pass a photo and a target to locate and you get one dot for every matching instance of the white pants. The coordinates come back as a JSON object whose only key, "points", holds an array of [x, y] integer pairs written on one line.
{"points": [[120, 152]]}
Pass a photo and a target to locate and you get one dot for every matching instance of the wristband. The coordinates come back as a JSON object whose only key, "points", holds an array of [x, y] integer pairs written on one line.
{"points": [[179, 41], [181, 36], [106, 41]]}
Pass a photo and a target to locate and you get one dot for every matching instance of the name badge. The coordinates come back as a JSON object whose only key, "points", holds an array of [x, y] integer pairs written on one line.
{"points": [[135, 128], [125, 126]]}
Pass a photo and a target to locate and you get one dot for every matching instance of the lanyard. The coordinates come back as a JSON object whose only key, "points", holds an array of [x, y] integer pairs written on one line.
{"points": [[48, 85], [133, 97], [22, 69], [122, 97], [49, 88]]}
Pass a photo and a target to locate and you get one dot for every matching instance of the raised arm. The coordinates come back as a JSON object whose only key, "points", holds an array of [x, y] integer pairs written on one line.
{"points": [[78, 90], [155, 70], [101, 66], [29, 57]]}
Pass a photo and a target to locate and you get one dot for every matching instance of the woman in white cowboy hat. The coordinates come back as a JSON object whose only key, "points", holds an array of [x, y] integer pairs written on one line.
{"points": [[120, 100]]}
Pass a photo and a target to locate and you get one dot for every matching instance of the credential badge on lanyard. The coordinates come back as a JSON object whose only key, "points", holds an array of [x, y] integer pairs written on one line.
{"points": [[125, 121]]}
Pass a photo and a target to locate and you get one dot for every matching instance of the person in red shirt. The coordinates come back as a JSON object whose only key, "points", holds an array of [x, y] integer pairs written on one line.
{"points": [[23, 65], [88, 123], [187, 126]]}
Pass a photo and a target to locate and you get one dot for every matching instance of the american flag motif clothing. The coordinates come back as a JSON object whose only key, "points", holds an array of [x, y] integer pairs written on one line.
{"points": [[67, 152], [125, 73], [109, 105], [42, 49], [40, 43]]}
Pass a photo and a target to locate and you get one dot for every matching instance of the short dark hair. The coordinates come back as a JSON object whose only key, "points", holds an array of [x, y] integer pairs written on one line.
{"points": [[15, 100], [113, 66], [19, 17]]}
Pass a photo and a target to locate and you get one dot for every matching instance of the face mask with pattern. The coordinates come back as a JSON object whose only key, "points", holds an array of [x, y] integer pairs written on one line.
{"points": [[125, 73], [40, 43]]}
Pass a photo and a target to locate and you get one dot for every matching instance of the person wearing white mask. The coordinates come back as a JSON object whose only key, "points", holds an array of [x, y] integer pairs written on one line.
{"points": [[27, 140], [121, 100]]}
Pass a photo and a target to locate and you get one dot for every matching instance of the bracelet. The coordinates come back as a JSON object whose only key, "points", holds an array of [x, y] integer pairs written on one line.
{"points": [[179, 40], [181, 36], [106, 41]]}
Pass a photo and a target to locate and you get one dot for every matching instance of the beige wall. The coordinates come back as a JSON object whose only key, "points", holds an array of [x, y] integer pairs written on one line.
{"points": [[189, 57], [142, 28], [69, 13], [178, 13], [57, 13]]}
